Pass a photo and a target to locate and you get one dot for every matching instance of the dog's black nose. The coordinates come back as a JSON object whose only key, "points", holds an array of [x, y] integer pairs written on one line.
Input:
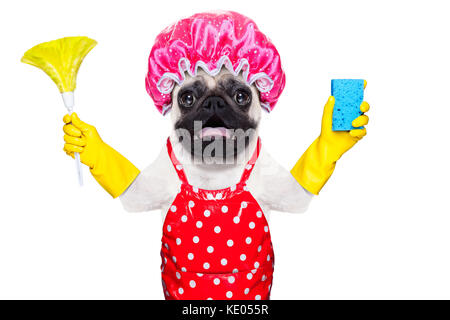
{"points": [[213, 103]]}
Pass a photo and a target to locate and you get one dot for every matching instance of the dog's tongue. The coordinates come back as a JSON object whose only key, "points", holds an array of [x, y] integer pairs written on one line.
{"points": [[218, 131]]}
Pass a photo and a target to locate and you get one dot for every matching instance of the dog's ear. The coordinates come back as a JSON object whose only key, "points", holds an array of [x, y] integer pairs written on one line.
{"points": [[255, 109], [175, 110]]}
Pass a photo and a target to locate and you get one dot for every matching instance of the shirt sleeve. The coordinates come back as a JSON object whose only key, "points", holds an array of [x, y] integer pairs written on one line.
{"points": [[153, 188], [280, 191]]}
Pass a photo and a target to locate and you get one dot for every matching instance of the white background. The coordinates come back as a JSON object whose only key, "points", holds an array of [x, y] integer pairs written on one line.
{"points": [[379, 229]]}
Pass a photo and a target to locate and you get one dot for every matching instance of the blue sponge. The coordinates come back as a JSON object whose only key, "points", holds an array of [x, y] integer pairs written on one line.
{"points": [[348, 94]]}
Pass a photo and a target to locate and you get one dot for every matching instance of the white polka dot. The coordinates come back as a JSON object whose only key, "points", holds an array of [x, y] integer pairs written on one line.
{"points": [[224, 209], [178, 241], [209, 196], [247, 290], [166, 245], [216, 281], [248, 240], [219, 196], [173, 208], [254, 271], [180, 290], [263, 278], [251, 225], [183, 269], [199, 224], [207, 213], [191, 204], [259, 249], [236, 219], [249, 276], [200, 274], [249, 166], [179, 167], [266, 229], [256, 265], [235, 270], [210, 249], [195, 239], [243, 257], [169, 228], [190, 256], [184, 218], [257, 297], [259, 214], [229, 294], [231, 279], [217, 229], [223, 262], [178, 275], [243, 204], [206, 265], [192, 284], [174, 259], [268, 257], [230, 243], [209, 299], [195, 189]]}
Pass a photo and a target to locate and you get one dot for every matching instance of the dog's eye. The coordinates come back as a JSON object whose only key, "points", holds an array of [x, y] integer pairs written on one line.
{"points": [[187, 99], [242, 98]]}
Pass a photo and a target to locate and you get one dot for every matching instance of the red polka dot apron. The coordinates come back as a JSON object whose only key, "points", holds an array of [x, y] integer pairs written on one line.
{"points": [[216, 243]]}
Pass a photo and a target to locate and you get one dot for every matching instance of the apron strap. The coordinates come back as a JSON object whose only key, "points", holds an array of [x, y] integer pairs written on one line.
{"points": [[251, 163], [176, 164], [182, 175]]}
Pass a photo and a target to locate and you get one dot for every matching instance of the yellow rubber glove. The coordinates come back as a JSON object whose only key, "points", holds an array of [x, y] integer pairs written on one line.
{"points": [[317, 164], [111, 170]]}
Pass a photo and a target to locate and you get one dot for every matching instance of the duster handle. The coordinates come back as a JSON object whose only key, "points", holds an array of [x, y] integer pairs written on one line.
{"points": [[69, 102], [79, 168]]}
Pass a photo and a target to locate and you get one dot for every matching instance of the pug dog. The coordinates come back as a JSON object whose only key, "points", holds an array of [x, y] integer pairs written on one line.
{"points": [[227, 112], [213, 180]]}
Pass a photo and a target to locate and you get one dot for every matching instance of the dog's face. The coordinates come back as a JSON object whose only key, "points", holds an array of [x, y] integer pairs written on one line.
{"points": [[215, 118]]}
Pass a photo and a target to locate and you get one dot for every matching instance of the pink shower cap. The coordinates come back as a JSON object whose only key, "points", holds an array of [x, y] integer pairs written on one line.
{"points": [[210, 41]]}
